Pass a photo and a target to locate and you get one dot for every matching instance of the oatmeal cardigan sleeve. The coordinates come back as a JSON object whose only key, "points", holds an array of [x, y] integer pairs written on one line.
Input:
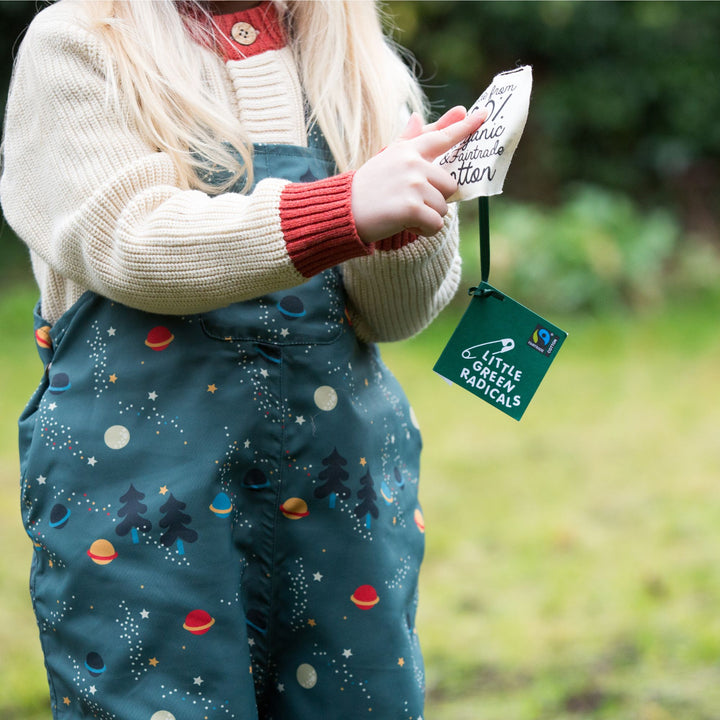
{"points": [[396, 293], [101, 209]]}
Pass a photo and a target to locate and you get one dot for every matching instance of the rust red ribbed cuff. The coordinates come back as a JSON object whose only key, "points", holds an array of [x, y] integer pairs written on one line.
{"points": [[396, 241], [317, 222]]}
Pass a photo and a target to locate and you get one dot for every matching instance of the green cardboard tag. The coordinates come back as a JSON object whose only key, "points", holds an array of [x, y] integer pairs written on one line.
{"points": [[500, 351]]}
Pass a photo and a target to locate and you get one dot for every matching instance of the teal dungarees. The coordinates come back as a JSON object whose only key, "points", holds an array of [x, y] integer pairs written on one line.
{"points": [[224, 509]]}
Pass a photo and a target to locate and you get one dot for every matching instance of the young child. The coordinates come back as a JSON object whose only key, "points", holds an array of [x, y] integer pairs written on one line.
{"points": [[226, 205]]}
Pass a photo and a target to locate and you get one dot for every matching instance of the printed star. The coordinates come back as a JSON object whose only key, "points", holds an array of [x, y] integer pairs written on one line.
{"points": [[281, 687], [197, 680], [144, 614], [66, 700], [363, 462], [212, 388], [317, 576], [264, 373], [152, 395], [163, 489], [92, 689], [92, 461], [111, 332], [299, 419], [41, 479], [347, 653], [284, 332], [401, 662], [154, 661], [52, 406], [113, 378], [312, 622], [251, 642], [247, 443]]}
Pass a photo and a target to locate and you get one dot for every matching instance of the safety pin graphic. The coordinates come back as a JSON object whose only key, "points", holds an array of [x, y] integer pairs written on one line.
{"points": [[507, 345]]}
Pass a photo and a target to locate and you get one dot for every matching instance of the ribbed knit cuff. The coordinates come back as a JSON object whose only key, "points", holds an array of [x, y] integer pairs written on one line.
{"points": [[396, 241], [317, 222]]}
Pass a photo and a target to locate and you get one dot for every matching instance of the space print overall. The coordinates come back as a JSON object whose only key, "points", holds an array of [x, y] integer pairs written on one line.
{"points": [[224, 509]]}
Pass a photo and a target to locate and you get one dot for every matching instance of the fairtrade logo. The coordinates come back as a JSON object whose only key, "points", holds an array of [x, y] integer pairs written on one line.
{"points": [[543, 340]]}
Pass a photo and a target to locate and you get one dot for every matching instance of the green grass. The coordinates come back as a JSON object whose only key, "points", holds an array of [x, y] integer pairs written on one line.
{"points": [[573, 560], [23, 692], [572, 567]]}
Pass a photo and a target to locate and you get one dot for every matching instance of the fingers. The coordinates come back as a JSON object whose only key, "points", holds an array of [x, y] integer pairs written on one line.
{"points": [[413, 128], [426, 217], [441, 180], [426, 203], [453, 115], [434, 143], [398, 190], [427, 223], [401, 188]]}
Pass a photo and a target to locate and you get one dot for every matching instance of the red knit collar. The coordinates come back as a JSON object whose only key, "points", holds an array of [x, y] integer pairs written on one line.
{"points": [[263, 19]]}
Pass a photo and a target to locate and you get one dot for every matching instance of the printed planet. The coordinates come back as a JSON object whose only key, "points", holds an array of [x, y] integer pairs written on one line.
{"points": [[494, 378]]}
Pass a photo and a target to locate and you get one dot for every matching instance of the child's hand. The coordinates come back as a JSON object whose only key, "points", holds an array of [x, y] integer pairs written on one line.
{"points": [[400, 189]]}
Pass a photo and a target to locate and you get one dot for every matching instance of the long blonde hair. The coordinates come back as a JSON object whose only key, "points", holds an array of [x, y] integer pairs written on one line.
{"points": [[354, 77]]}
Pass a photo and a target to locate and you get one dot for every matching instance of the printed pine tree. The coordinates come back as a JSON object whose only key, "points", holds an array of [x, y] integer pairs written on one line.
{"points": [[132, 511], [367, 494], [175, 520], [334, 476]]}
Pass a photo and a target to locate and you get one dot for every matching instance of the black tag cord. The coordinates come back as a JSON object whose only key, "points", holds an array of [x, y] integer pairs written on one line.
{"points": [[484, 221]]}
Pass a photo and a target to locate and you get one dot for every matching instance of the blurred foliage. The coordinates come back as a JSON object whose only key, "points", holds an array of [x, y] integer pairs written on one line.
{"points": [[595, 252], [625, 94], [617, 176], [15, 15], [612, 197]]}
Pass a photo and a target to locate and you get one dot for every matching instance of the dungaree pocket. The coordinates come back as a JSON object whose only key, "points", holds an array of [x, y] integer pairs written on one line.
{"points": [[311, 313]]}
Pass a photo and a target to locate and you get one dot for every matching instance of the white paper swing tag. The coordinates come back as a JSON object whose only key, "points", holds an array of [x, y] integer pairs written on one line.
{"points": [[480, 162]]}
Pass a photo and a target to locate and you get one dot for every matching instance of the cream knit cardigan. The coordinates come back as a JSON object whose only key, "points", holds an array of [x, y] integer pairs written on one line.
{"points": [[100, 210]]}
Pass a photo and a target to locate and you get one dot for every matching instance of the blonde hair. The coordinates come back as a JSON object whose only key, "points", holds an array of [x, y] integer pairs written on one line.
{"points": [[354, 77]]}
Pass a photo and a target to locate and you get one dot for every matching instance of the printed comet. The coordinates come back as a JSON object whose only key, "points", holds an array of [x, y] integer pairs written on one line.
{"points": [[507, 344]]}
